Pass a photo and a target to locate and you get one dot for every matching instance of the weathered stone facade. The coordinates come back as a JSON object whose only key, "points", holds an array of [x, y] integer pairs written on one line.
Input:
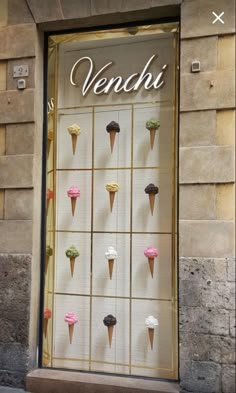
{"points": [[15, 314], [206, 325], [206, 177], [206, 201], [20, 185]]}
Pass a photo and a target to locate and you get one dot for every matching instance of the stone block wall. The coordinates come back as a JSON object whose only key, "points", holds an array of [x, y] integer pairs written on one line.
{"points": [[206, 177], [207, 200], [18, 44]]}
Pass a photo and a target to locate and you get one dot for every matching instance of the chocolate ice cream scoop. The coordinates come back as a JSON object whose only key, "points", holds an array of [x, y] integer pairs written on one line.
{"points": [[109, 320], [113, 126], [151, 189]]}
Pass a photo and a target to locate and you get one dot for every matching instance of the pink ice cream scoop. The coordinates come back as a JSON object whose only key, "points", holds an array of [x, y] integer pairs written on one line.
{"points": [[150, 252], [49, 194], [46, 316], [73, 192], [47, 313], [71, 318]]}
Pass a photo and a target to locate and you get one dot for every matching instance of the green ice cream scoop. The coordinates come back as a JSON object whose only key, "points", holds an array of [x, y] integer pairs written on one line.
{"points": [[152, 124], [72, 252], [49, 251]]}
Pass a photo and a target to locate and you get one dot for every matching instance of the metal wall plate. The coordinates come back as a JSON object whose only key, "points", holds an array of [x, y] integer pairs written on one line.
{"points": [[20, 70], [21, 84], [196, 66]]}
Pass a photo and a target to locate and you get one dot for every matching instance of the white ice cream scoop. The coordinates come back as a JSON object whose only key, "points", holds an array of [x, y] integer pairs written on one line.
{"points": [[111, 253], [151, 322]]}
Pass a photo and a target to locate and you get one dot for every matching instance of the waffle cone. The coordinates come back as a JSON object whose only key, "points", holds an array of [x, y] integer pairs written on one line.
{"points": [[110, 334], [73, 205], [74, 141], [110, 266], [48, 146], [112, 139], [72, 265], [46, 264], [45, 327], [112, 198], [151, 265], [47, 207], [152, 137], [152, 202], [71, 332], [151, 336]]}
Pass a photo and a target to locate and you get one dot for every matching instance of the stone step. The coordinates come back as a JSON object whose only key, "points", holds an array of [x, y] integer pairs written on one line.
{"points": [[55, 381]]}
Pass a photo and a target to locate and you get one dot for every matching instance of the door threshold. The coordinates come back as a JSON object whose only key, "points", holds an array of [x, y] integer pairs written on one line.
{"points": [[57, 381]]}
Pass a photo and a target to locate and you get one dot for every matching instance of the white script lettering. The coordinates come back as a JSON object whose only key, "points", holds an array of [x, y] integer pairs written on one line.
{"points": [[117, 83], [50, 105]]}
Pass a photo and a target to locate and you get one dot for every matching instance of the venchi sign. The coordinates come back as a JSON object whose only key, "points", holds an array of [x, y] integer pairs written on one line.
{"points": [[102, 85]]}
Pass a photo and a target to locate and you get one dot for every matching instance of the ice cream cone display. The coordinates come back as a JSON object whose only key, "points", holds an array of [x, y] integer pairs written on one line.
{"points": [[74, 131], [151, 202], [110, 267], [72, 253], [112, 139], [50, 139], [151, 336], [151, 265], [46, 263], [112, 128], [112, 188], [74, 142], [50, 196], [151, 253], [45, 327], [72, 265], [73, 192], [151, 324], [46, 316], [151, 190], [110, 321], [73, 205], [111, 255], [152, 125], [71, 319], [112, 198], [110, 334], [49, 252], [71, 332]]}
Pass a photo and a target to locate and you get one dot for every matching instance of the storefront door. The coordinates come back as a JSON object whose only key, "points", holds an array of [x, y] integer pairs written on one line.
{"points": [[110, 300]]}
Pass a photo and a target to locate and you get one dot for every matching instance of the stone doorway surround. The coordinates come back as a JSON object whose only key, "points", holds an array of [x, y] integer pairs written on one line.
{"points": [[206, 180]]}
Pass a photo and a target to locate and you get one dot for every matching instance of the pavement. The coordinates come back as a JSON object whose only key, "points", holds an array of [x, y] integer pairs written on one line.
{"points": [[5, 389]]}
